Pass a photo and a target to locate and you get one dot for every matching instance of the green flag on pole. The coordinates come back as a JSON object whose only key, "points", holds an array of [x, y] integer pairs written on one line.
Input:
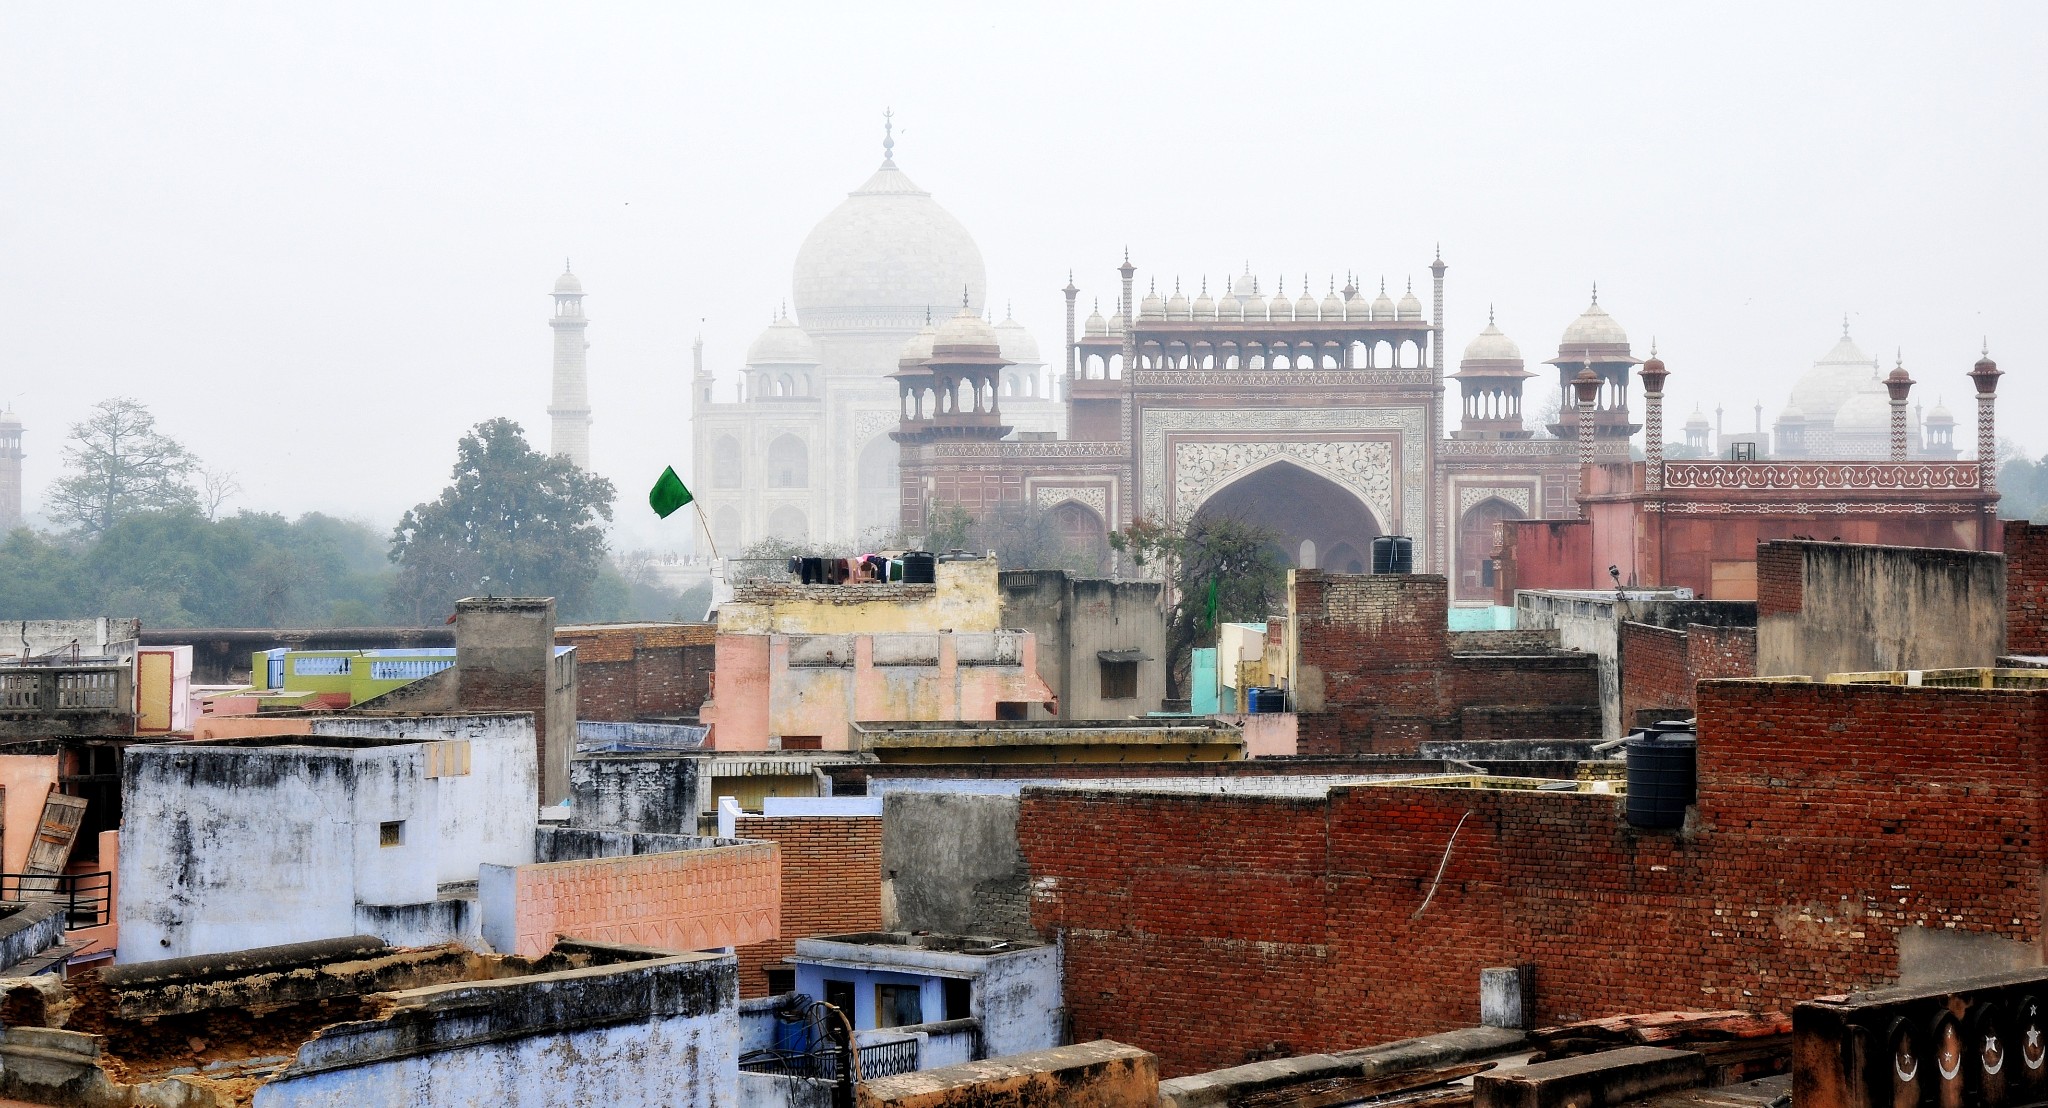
{"points": [[669, 493]]}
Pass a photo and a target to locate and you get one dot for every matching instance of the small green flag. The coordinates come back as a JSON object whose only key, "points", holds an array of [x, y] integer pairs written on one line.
{"points": [[668, 494]]}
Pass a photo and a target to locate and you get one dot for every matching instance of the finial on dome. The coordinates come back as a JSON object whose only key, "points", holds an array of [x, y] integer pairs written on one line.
{"points": [[1411, 286], [1439, 251], [1489, 315], [1653, 346], [1596, 292], [1845, 325], [565, 266], [1383, 285], [889, 136], [1899, 357], [963, 298], [1987, 346], [1009, 309]]}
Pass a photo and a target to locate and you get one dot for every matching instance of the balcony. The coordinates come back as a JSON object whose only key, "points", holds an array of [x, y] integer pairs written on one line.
{"points": [[83, 698]]}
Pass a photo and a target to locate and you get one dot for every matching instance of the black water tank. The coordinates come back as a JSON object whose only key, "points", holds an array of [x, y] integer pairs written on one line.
{"points": [[920, 567], [1393, 554], [1663, 775]]}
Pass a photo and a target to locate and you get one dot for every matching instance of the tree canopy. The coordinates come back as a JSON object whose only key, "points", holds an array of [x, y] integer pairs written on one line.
{"points": [[116, 464], [1219, 570], [513, 522]]}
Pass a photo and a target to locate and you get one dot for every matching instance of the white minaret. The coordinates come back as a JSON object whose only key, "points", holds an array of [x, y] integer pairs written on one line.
{"points": [[569, 434], [10, 471]]}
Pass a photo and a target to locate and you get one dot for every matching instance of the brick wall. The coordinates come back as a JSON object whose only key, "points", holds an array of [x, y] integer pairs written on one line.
{"points": [[1379, 672], [2026, 587], [1780, 579], [831, 884], [677, 900], [1207, 928], [633, 672], [1659, 666]]}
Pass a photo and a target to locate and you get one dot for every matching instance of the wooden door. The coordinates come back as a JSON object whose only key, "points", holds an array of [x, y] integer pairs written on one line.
{"points": [[58, 830]]}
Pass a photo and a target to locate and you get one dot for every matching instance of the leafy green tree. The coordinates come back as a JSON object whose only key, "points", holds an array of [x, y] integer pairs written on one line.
{"points": [[117, 464], [514, 522], [1219, 570]]}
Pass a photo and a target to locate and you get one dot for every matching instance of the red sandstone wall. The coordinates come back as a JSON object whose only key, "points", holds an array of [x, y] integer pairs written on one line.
{"points": [[1545, 554], [1205, 928], [831, 884], [2026, 587], [1660, 666]]}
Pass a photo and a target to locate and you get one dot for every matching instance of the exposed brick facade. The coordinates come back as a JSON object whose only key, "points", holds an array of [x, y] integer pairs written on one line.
{"points": [[2026, 587], [1378, 672], [1206, 927], [1660, 666], [640, 671], [831, 884]]}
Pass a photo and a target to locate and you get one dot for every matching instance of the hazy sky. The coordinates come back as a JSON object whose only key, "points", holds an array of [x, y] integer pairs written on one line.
{"points": [[318, 240]]}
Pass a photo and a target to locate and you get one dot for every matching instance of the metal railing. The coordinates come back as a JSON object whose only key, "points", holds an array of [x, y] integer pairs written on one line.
{"points": [[887, 1059], [88, 898]]}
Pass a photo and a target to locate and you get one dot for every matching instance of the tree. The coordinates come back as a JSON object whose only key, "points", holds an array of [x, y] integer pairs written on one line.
{"points": [[1219, 570], [118, 464], [1022, 535], [216, 488], [514, 522]]}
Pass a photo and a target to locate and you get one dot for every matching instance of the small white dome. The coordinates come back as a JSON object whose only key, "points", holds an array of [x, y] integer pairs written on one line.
{"points": [[1204, 308], [1409, 308], [567, 284], [1096, 325], [1358, 307], [1829, 383], [783, 343], [1791, 414], [12, 422], [1491, 345], [1697, 421], [1940, 414], [966, 329], [1152, 307], [1019, 348], [1254, 306], [1333, 306], [1230, 307], [1305, 306], [1594, 326], [1246, 286], [1177, 305], [1383, 306], [1116, 324], [919, 348], [1280, 308]]}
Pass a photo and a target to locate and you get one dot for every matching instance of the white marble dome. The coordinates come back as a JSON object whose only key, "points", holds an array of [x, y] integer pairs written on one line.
{"points": [[1866, 412], [882, 258], [1828, 384], [783, 343], [1018, 346], [1410, 308], [1383, 306], [567, 284], [1096, 325]]}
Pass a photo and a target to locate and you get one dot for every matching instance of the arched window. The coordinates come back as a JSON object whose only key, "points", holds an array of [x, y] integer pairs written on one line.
{"points": [[788, 523], [789, 463], [725, 464]]}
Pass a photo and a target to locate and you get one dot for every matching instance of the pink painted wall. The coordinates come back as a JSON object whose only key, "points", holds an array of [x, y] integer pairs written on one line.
{"points": [[684, 900], [28, 779], [243, 727], [1270, 734], [759, 697]]}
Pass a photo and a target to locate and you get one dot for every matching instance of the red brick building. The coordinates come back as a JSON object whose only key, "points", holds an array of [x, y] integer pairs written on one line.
{"points": [[1831, 845], [640, 672], [831, 885], [2026, 588]]}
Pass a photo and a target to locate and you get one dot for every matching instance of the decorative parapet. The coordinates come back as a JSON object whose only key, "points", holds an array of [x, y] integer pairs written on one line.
{"points": [[1821, 476]]}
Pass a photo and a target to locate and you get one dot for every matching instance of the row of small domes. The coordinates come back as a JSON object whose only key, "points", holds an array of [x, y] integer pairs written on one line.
{"points": [[1243, 302]]}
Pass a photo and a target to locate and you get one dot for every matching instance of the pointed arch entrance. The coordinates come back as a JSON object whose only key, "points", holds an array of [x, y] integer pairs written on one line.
{"points": [[1309, 511], [1475, 546]]}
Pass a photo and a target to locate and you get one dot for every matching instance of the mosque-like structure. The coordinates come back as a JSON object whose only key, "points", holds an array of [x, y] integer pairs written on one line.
{"points": [[885, 390]]}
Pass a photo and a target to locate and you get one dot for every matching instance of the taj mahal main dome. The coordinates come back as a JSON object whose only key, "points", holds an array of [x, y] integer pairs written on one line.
{"points": [[886, 259]]}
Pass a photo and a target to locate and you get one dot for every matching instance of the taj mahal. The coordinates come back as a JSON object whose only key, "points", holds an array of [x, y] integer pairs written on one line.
{"points": [[887, 388]]}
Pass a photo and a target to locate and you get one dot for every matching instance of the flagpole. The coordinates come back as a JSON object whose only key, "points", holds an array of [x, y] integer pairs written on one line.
{"points": [[713, 543]]}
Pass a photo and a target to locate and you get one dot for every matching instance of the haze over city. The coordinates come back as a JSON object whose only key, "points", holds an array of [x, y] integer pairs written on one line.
{"points": [[317, 240]]}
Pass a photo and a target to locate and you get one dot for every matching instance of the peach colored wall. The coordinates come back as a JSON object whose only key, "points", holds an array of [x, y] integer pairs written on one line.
{"points": [[822, 700], [242, 727], [28, 779], [1270, 735], [683, 900]]}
